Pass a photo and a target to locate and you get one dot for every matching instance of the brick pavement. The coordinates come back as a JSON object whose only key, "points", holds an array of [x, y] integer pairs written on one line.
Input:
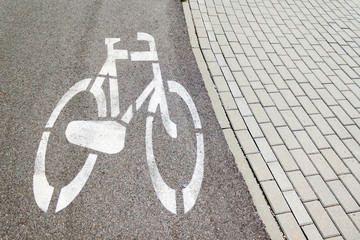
{"points": [[287, 74]]}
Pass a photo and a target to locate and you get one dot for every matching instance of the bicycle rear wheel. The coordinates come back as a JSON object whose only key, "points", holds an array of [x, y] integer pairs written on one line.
{"points": [[43, 191], [165, 193]]}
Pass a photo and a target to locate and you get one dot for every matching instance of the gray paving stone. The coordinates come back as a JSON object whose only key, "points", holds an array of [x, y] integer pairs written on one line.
{"points": [[312, 232], [355, 217], [265, 150], [250, 74], [352, 185], [339, 128], [228, 52], [279, 101], [284, 157], [341, 115], [284, 72], [299, 77], [288, 138], [304, 163], [259, 113], [290, 98], [259, 167], [221, 60], [335, 93], [297, 208], [264, 98], [217, 28], [354, 166], [339, 146], [233, 64], [335, 162], [353, 146], [326, 197], [209, 55], [302, 116], [237, 122], [253, 127], [279, 81], [308, 106], [227, 100], [291, 120], [310, 91], [321, 219], [269, 67], [290, 226], [306, 142], [221, 84], [301, 186], [322, 124], [327, 97], [204, 43], [343, 223], [229, 78], [249, 94], [214, 69], [215, 47], [314, 79], [355, 132], [270, 133], [271, 88], [324, 110], [275, 197], [280, 176], [234, 89], [241, 79], [323, 167], [343, 196], [243, 107], [349, 107], [275, 116]]}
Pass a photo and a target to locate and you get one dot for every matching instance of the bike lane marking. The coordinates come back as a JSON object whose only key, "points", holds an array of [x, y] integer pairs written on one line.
{"points": [[109, 136]]}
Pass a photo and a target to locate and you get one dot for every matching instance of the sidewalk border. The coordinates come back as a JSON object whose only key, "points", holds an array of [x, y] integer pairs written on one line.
{"points": [[262, 207]]}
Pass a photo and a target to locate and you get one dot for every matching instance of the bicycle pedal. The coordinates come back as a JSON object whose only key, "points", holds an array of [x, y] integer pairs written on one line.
{"points": [[103, 136]]}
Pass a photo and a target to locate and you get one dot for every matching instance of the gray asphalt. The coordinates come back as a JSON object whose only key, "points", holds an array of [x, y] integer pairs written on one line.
{"points": [[48, 46]]}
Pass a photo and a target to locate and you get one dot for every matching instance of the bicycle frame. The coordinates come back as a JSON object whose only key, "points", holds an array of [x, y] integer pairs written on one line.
{"points": [[156, 86]]}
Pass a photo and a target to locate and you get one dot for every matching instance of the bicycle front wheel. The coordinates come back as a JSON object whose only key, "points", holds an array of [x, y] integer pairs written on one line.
{"points": [[190, 192]]}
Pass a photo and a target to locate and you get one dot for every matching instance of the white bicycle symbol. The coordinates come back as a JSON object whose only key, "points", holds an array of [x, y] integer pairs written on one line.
{"points": [[109, 136]]}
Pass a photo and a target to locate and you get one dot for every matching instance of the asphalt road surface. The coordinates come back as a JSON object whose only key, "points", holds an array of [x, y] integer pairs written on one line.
{"points": [[92, 172]]}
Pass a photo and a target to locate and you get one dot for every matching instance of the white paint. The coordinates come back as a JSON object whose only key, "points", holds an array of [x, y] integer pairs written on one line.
{"points": [[114, 97], [99, 95], [109, 136], [70, 191], [181, 91], [147, 91], [109, 66], [150, 55], [166, 194], [78, 87], [159, 99], [103, 136], [41, 187], [191, 192], [126, 118]]}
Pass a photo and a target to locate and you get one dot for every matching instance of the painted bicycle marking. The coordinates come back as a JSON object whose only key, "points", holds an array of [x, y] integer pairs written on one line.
{"points": [[108, 136]]}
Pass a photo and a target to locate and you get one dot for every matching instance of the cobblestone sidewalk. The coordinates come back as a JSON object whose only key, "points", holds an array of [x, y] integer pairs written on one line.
{"points": [[288, 76]]}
